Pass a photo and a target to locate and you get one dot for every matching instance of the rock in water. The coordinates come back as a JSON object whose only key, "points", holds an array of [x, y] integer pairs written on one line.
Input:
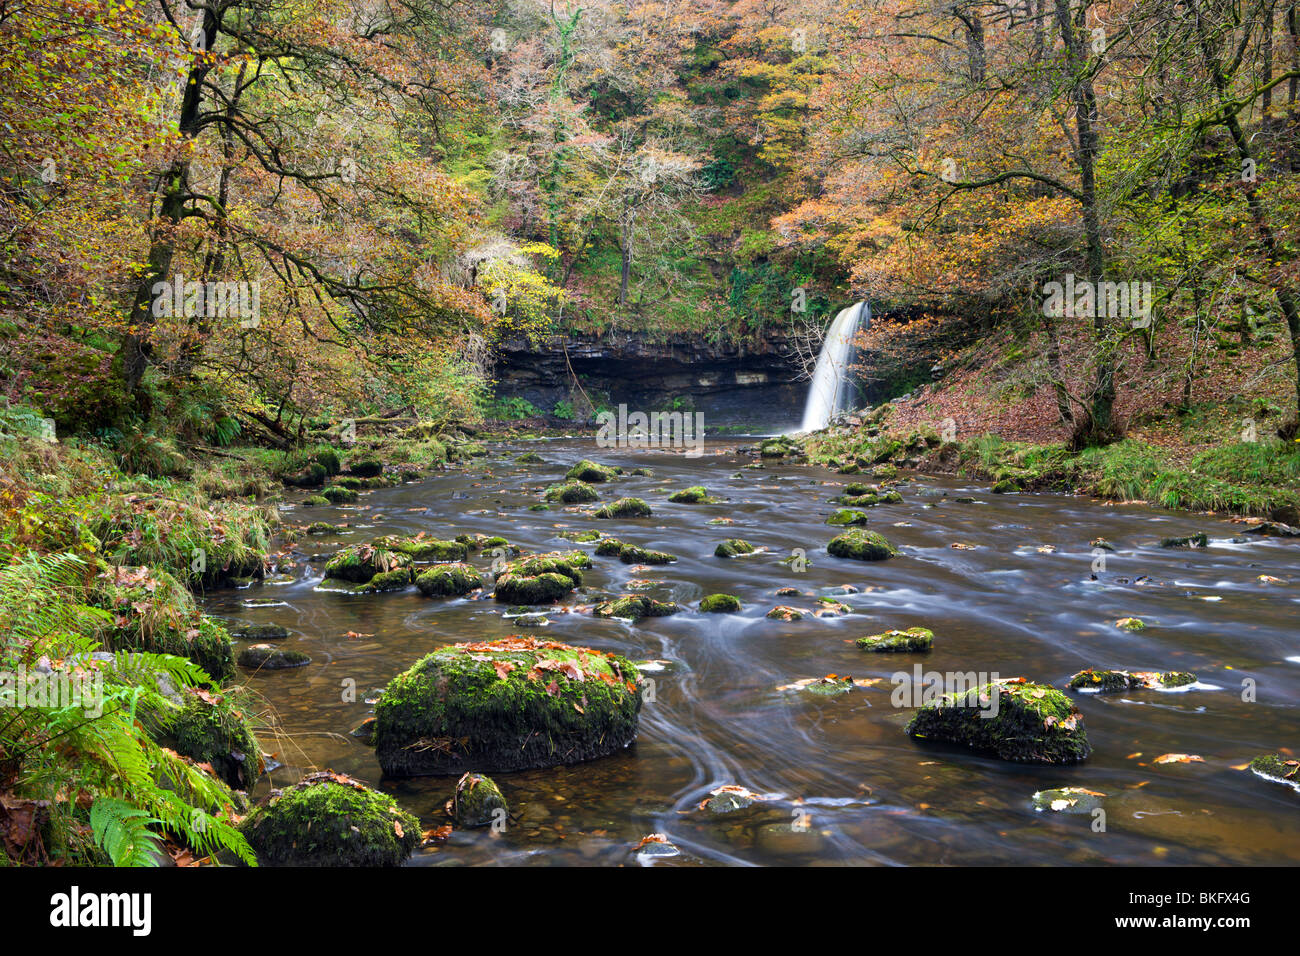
{"points": [[271, 658], [1032, 722], [478, 802], [861, 545], [914, 639], [328, 819], [512, 704]]}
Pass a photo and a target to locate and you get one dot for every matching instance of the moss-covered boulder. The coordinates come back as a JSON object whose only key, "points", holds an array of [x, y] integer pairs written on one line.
{"points": [[720, 604], [214, 729], [366, 467], [1101, 681], [478, 802], [911, 640], [1014, 719], [513, 704], [783, 612], [268, 657], [312, 475], [782, 446], [861, 545], [1277, 768], [631, 554], [694, 495], [592, 473], [397, 579], [315, 501], [420, 548], [571, 493], [871, 499], [529, 458], [258, 632], [847, 516], [625, 508], [540, 579], [338, 495], [324, 527], [329, 819], [359, 563], [448, 580], [733, 547], [1198, 540], [635, 607], [152, 611]]}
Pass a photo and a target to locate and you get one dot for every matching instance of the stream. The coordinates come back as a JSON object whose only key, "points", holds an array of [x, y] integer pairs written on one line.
{"points": [[845, 784]]}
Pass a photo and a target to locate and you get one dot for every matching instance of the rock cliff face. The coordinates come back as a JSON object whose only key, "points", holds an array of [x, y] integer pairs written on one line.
{"points": [[755, 386]]}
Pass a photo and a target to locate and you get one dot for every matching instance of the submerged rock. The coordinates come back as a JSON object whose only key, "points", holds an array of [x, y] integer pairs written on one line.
{"points": [[1012, 718], [449, 580], [478, 802], [529, 458], [733, 547], [259, 632], [591, 472], [624, 508], [271, 658], [1110, 681], [513, 704], [329, 819], [1067, 800], [913, 639], [861, 545]]}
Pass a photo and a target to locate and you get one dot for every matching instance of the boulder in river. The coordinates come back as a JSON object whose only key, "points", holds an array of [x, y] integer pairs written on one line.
{"points": [[360, 563], [259, 632], [1013, 718], [733, 547], [337, 495], [512, 704], [1198, 540], [784, 612], [631, 554], [540, 579], [268, 657], [861, 545], [329, 819], [448, 580], [1067, 800], [911, 640], [1110, 681], [592, 473], [420, 548], [624, 508], [1277, 768], [478, 802], [635, 607], [694, 495], [720, 604], [847, 516], [571, 493]]}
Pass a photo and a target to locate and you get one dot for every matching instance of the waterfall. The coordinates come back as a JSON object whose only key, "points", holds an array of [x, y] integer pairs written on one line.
{"points": [[831, 389]]}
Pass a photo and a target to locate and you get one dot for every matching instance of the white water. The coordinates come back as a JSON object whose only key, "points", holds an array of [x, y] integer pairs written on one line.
{"points": [[831, 390]]}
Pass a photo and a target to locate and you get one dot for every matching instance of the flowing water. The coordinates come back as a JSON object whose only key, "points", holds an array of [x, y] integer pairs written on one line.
{"points": [[831, 390], [846, 784]]}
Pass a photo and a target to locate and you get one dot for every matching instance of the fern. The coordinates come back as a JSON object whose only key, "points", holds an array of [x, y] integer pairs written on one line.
{"points": [[122, 831]]}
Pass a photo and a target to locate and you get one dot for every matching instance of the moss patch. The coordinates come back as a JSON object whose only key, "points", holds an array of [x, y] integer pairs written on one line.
{"points": [[720, 604], [911, 640], [1111, 681], [625, 508], [861, 545], [733, 547], [592, 473], [448, 580]]}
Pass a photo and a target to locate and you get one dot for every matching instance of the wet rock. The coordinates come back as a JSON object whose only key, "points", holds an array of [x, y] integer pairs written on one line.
{"points": [[478, 802], [366, 467], [365, 731], [1278, 769], [635, 608], [1198, 540], [529, 458], [624, 508], [1101, 543], [1067, 800], [642, 473], [271, 658], [420, 548], [694, 495], [733, 547], [571, 493], [861, 545], [729, 799], [782, 446], [449, 580], [531, 620], [338, 495], [871, 500], [360, 563], [631, 554], [329, 819], [214, 729], [1274, 529], [911, 640], [788, 592], [397, 579], [785, 613], [720, 604], [324, 527], [1006, 486], [541, 579], [259, 632], [593, 473], [583, 537], [845, 516], [315, 501], [1104, 682], [1012, 718], [1131, 624], [514, 704]]}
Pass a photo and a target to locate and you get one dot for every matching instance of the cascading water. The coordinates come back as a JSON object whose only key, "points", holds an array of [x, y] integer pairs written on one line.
{"points": [[831, 389]]}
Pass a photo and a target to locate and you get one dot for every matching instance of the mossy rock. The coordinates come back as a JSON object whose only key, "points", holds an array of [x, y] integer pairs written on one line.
{"points": [[1198, 540], [541, 579], [268, 657], [214, 729], [329, 819], [478, 802], [448, 580], [312, 476], [783, 612], [513, 704], [911, 640], [861, 545], [720, 604], [361, 562], [884, 472], [584, 537], [424, 549], [694, 495], [1067, 800], [315, 501], [631, 554], [846, 516], [258, 632], [1006, 486], [324, 527], [366, 467], [328, 459], [782, 446], [592, 473], [1277, 768], [571, 493], [349, 481], [733, 547], [1104, 682], [610, 547], [625, 508], [338, 495], [872, 499], [1032, 723], [397, 579], [529, 458], [642, 473], [635, 607]]}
